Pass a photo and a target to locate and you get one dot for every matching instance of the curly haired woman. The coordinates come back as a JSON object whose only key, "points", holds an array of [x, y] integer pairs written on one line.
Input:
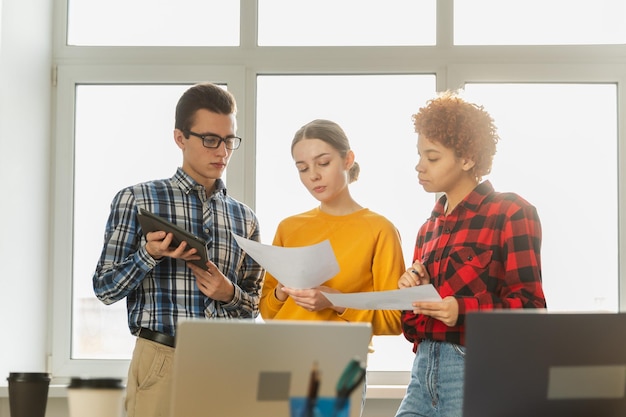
{"points": [[480, 249]]}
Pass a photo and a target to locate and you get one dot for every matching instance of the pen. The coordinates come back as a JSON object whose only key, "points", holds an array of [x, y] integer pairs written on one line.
{"points": [[314, 386]]}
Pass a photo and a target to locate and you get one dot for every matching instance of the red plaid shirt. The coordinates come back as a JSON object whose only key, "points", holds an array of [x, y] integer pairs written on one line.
{"points": [[486, 254]]}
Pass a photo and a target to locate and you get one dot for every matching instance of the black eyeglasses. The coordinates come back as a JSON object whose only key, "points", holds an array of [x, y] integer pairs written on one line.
{"points": [[212, 141]]}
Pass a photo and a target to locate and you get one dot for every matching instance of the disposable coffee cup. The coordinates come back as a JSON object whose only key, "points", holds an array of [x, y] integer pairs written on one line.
{"points": [[95, 397], [28, 393]]}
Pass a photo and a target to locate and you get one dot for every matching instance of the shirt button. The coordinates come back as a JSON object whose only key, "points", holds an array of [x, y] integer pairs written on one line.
{"points": [[469, 258], [447, 231]]}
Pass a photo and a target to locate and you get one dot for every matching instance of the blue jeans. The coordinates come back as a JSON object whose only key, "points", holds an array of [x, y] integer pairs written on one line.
{"points": [[436, 386]]}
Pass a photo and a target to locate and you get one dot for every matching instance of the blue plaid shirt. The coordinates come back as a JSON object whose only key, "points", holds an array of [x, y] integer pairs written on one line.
{"points": [[159, 292]]}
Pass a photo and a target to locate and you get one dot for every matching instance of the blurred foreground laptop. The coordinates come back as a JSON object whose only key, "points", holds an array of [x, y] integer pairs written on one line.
{"points": [[535, 363], [240, 368]]}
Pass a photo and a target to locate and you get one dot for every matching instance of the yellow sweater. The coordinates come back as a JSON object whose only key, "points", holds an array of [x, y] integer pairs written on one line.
{"points": [[369, 253]]}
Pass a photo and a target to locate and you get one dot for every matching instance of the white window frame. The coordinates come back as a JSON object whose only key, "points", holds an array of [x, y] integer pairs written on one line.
{"points": [[238, 67], [68, 78]]}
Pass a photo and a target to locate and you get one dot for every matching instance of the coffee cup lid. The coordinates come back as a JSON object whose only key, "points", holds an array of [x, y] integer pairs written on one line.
{"points": [[29, 376], [98, 383]]}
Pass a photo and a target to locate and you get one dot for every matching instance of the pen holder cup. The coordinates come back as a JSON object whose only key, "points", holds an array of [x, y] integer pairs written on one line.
{"points": [[324, 407]]}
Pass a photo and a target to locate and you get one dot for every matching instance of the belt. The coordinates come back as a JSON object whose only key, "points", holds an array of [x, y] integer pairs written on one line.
{"points": [[162, 338]]}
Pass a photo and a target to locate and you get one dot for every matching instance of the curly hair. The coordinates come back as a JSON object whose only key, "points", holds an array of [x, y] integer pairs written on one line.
{"points": [[465, 127]]}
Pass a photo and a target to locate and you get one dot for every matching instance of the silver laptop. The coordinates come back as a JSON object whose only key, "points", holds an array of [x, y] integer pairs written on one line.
{"points": [[240, 368], [536, 363]]}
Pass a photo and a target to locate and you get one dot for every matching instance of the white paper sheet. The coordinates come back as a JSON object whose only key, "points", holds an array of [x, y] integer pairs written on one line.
{"points": [[299, 267], [401, 299]]}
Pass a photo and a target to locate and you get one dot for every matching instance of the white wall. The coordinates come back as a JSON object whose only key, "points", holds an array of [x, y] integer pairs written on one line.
{"points": [[25, 92]]}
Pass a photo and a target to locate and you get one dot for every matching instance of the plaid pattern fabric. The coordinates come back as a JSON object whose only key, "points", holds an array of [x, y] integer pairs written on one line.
{"points": [[486, 254], [159, 292]]}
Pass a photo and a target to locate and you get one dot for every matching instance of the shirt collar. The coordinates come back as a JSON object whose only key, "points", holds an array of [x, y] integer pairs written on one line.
{"points": [[471, 202], [188, 184], [477, 196]]}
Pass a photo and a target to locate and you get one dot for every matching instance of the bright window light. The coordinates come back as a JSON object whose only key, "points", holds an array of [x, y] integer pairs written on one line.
{"points": [[539, 22], [153, 23], [569, 171], [347, 22]]}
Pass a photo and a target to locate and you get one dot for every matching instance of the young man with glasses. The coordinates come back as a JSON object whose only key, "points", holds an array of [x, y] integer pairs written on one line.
{"points": [[157, 280]]}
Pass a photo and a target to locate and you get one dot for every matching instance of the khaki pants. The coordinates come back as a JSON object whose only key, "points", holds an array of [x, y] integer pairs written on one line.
{"points": [[148, 389]]}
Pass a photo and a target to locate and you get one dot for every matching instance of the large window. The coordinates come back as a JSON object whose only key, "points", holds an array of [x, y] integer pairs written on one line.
{"points": [[118, 134], [135, 154], [558, 115], [537, 157], [553, 163]]}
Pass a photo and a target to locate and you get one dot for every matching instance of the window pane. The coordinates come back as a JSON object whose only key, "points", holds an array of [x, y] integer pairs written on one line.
{"points": [[347, 22], [539, 22], [381, 134], [153, 23], [569, 172], [123, 136]]}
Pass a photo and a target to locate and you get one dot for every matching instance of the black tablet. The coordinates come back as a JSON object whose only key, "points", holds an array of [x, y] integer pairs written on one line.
{"points": [[150, 222]]}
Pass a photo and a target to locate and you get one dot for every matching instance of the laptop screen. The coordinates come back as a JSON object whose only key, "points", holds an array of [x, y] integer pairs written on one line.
{"points": [[536, 363], [246, 368]]}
